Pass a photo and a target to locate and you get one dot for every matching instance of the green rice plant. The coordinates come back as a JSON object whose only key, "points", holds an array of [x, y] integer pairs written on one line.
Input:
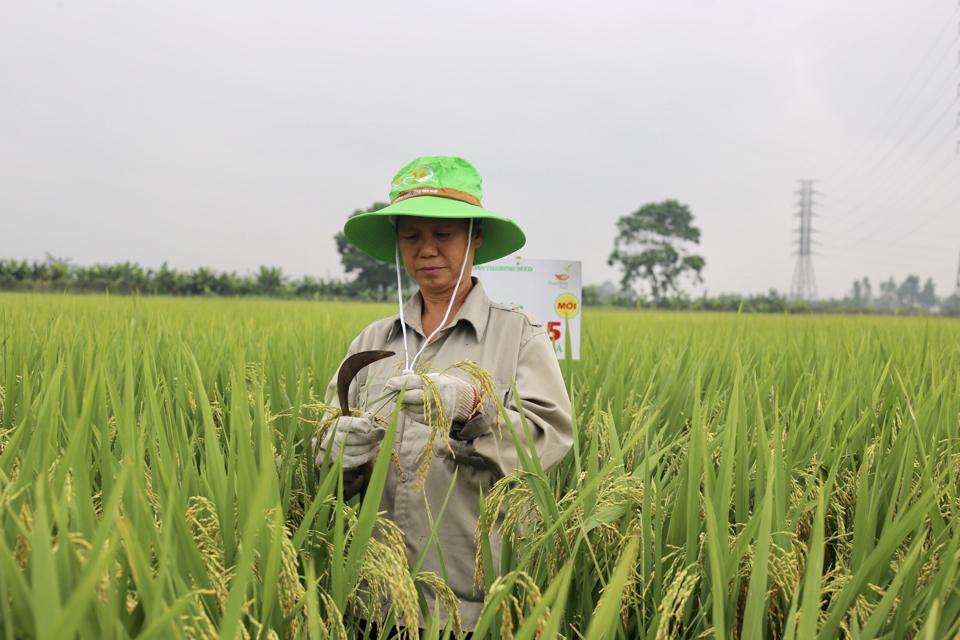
{"points": [[731, 476]]}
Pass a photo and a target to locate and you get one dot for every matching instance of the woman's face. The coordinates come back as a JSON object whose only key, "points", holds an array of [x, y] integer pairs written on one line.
{"points": [[433, 250]]}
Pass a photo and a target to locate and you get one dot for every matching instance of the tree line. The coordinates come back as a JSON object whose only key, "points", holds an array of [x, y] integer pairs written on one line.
{"points": [[902, 298], [57, 275], [652, 248]]}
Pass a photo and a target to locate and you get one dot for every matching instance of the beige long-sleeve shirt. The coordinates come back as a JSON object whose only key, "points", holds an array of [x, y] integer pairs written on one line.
{"points": [[512, 346]]}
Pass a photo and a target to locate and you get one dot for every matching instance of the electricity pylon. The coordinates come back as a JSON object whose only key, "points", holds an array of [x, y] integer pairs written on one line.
{"points": [[956, 290], [804, 286]]}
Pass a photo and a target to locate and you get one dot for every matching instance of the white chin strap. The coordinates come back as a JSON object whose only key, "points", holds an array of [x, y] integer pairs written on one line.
{"points": [[408, 364]]}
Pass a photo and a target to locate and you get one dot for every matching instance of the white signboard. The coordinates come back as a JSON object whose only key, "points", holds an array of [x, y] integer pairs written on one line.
{"points": [[549, 289]]}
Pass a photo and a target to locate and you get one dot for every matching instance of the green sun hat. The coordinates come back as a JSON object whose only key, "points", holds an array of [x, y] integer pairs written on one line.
{"points": [[434, 187]]}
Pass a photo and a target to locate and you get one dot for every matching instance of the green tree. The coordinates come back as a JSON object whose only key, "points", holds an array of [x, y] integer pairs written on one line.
{"points": [[867, 290], [227, 284], [908, 293], [130, 277], [58, 270], [861, 293], [951, 305], [270, 280], [928, 295], [652, 244], [372, 275], [202, 282], [856, 294], [167, 281], [888, 294]]}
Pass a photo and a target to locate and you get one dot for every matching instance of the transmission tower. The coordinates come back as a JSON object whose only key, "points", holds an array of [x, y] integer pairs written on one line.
{"points": [[804, 286], [956, 290]]}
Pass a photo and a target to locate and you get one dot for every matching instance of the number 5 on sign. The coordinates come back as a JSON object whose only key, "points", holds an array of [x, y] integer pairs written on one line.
{"points": [[553, 329]]}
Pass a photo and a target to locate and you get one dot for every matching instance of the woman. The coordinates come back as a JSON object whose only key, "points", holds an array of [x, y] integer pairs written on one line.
{"points": [[436, 225]]}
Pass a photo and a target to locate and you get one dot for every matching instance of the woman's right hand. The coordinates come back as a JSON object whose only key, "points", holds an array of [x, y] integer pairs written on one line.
{"points": [[356, 436]]}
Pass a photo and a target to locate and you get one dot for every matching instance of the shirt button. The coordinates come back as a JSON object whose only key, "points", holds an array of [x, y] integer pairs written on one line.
{"points": [[403, 476]]}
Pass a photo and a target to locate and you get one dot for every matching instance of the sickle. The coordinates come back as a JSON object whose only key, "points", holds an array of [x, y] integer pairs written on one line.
{"points": [[349, 370]]}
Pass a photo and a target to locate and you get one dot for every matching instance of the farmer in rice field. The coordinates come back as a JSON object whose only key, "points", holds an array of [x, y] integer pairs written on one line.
{"points": [[457, 355]]}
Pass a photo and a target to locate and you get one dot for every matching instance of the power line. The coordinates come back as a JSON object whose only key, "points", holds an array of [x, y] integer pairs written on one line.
{"points": [[906, 191], [892, 248], [879, 223], [888, 185], [939, 119], [892, 186], [921, 63], [956, 290], [889, 131], [929, 264]]}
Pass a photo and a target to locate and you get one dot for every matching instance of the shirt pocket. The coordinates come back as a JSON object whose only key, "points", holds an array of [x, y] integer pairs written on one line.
{"points": [[504, 392], [504, 396]]}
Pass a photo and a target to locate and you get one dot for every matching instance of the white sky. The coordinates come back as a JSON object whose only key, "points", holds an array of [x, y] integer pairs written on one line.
{"points": [[234, 134]]}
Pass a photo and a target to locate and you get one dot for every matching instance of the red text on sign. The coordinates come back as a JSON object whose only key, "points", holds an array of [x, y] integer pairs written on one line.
{"points": [[553, 329]]}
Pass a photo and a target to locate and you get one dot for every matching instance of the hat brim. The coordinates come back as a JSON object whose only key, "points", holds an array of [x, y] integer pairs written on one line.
{"points": [[374, 232]]}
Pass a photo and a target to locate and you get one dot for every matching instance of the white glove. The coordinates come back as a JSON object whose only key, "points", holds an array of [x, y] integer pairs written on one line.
{"points": [[460, 399], [357, 437]]}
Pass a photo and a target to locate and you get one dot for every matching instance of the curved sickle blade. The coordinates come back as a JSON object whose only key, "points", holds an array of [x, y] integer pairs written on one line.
{"points": [[349, 370]]}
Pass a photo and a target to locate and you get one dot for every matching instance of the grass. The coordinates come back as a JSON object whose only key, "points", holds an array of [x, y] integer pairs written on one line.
{"points": [[732, 477]]}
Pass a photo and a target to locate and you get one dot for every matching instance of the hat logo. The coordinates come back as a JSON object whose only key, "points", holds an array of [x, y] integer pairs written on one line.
{"points": [[418, 175]]}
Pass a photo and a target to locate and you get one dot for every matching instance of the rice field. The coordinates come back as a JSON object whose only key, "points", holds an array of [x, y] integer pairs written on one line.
{"points": [[732, 477]]}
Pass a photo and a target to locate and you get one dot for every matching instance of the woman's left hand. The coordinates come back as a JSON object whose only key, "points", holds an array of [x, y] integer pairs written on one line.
{"points": [[460, 399]]}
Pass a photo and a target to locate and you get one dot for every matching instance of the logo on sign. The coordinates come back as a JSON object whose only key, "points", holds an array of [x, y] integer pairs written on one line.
{"points": [[560, 278], [566, 305]]}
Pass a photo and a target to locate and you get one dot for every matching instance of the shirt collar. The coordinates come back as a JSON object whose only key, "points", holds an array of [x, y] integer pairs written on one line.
{"points": [[475, 311]]}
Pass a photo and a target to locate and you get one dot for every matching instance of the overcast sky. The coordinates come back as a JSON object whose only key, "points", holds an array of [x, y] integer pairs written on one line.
{"points": [[234, 134]]}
